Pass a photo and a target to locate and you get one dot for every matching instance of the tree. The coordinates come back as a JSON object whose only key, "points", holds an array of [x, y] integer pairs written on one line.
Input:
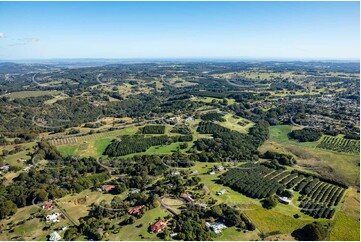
{"points": [[270, 202], [314, 232], [71, 234], [42, 195], [7, 208]]}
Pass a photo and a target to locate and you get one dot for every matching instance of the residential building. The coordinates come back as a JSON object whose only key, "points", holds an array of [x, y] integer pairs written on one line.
{"points": [[48, 205], [284, 200], [135, 210], [107, 188], [54, 236], [221, 192], [218, 227], [158, 226], [53, 218], [187, 197]]}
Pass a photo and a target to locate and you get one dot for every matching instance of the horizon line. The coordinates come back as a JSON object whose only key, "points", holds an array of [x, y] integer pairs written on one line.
{"points": [[179, 58]]}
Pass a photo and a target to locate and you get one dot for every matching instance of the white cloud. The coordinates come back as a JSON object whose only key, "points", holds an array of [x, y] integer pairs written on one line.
{"points": [[25, 41], [2, 35]]}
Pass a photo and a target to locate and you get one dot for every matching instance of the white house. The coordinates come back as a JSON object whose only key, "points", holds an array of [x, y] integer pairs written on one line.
{"points": [[175, 173], [284, 200], [218, 227], [54, 236], [221, 192], [53, 218], [220, 168], [5, 168]]}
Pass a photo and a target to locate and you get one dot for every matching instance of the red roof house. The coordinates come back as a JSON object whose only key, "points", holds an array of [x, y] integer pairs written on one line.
{"points": [[135, 210], [186, 197], [48, 205], [107, 188], [158, 226]]}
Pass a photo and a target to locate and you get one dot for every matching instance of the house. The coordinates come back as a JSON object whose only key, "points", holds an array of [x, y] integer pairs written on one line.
{"points": [[135, 210], [187, 197], [221, 192], [107, 188], [189, 119], [173, 235], [194, 172], [170, 185], [5, 168], [284, 200], [63, 228], [27, 169], [53, 218], [158, 226], [48, 205], [220, 168], [211, 172], [54, 236], [134, 190], [175, 173], [218, 227]]}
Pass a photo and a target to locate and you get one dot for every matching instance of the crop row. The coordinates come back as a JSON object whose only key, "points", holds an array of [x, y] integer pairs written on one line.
{"points": [[340, 144]]}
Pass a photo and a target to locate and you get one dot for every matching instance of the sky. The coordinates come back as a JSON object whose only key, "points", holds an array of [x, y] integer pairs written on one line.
{"points": [[251, 30]]}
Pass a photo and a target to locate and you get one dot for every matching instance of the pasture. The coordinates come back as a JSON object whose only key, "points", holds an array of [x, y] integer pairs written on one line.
{"points": [[236, 123], [25, 94], [337, 165]]}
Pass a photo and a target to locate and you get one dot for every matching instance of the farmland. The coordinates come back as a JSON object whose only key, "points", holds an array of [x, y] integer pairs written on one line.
{"points": [[339, 144], [344, 165], [197, 145], [26, 94]]}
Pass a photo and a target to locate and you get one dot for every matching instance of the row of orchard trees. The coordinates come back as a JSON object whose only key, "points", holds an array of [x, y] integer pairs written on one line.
{"points": [[138, 143], [340, 144], [318, 197], [229, 144], [251, 182]]}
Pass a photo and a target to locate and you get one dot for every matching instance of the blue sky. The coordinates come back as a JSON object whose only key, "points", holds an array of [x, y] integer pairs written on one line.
{"points": [[280, 30]]}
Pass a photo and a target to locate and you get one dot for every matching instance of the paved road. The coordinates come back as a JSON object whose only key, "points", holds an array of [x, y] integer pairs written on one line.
{"points": [[65, 213]]}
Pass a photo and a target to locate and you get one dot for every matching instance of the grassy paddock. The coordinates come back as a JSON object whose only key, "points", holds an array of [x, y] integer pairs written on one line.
{"points": [[342, 166], [25, 94]]}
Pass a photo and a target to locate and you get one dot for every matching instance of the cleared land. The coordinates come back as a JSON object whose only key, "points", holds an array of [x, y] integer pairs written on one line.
{"points": [[342, 166], [26, 94]]}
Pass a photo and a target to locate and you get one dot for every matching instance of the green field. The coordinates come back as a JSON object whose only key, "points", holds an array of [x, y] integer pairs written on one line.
{"points": [[232, 123], [25, 94], [348, 217], [212, 99], [95, 144], [131, 232], [337, 165], [278, 219]]}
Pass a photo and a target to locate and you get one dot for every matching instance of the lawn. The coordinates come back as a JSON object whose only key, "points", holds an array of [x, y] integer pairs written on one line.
{"points": [[132, 232], [26, 227], [77, 210], [67, 150]]}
